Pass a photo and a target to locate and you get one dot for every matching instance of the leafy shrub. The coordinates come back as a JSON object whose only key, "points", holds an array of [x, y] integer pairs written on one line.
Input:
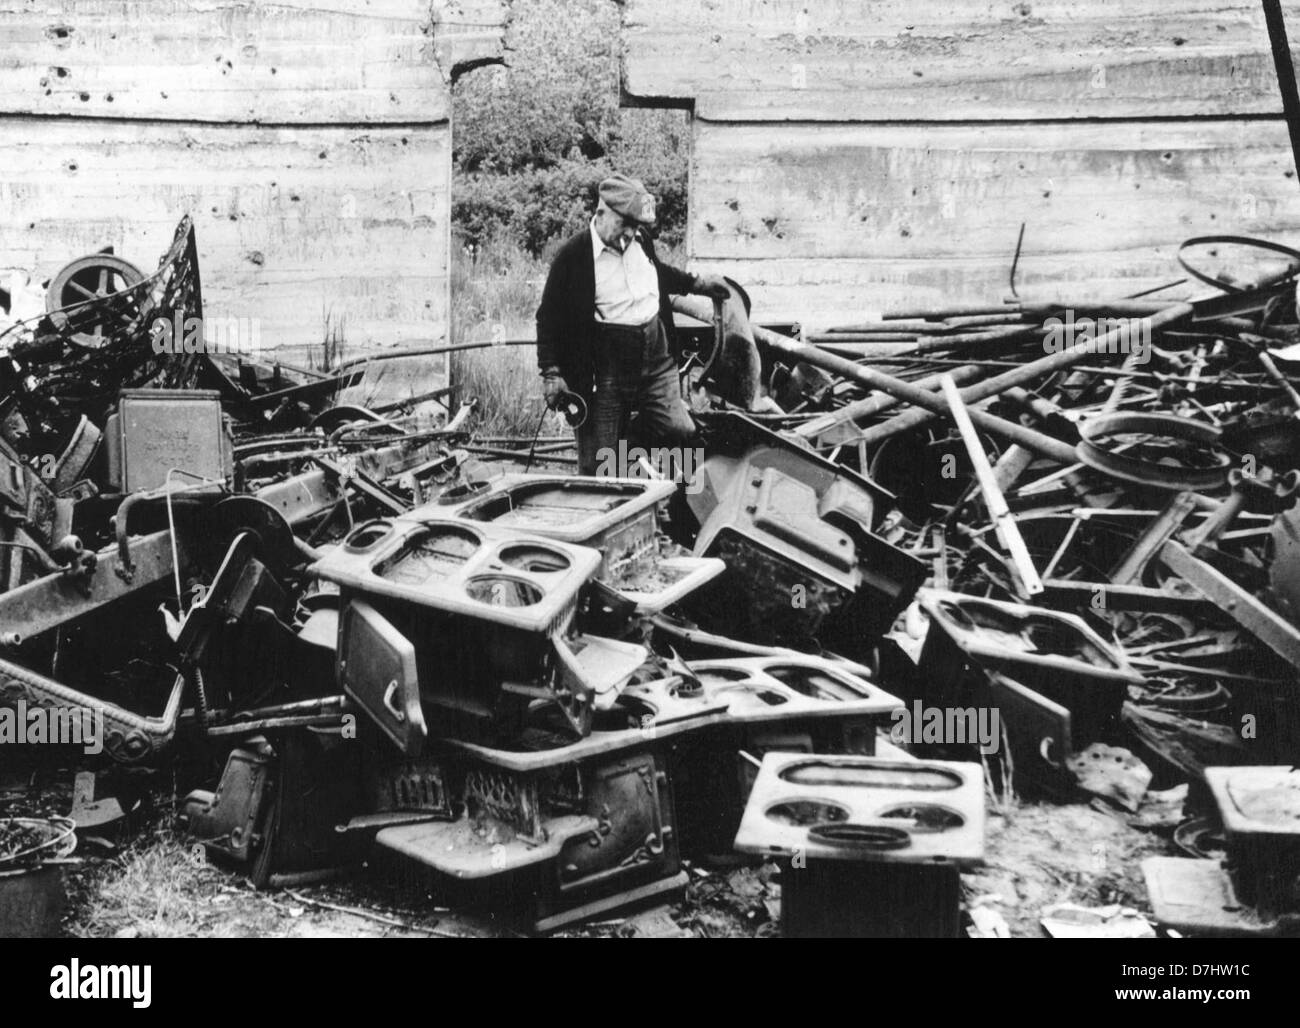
{"points": [[533, 140]]}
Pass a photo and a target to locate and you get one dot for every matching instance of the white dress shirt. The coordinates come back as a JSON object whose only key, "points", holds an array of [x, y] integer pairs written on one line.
{"points": [[627, 287]]}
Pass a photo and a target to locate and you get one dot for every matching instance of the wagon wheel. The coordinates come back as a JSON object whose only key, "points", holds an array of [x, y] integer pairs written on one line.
{"points": [[1158, 450], [92, 278]]}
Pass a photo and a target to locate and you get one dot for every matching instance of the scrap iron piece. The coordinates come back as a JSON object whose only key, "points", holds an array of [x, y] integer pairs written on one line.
{"points": [[732, 366], [93, 277], [104, 819], [1269, 627], [1039, 736], [1052, 652], [377, 668], [231, 820], [851, 808], [481, 603], [877, 843], [66, 375], [799, 537], [1259, 807], [1158, 532], [614, 515], [593, 830], [128, 737], [1209, 473], [1263, 493], [59, 598], [1003, 520], [1198, 897], [931, 403], [1044, 445], [276, 808], [1111, 772], [155, 432]]}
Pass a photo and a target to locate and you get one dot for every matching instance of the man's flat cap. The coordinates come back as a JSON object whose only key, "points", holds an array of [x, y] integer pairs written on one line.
{"points": [[628, 197]]}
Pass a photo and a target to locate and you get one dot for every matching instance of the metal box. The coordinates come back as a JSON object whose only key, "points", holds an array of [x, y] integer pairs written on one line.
{"points": [[850, 808], [826, 900], [796, 690], [867, 847], [486, 572], [616, 516], [32, 902], [567, 835], [1260, 811], [792, 703], [1052, 653], [1200, 897], [613, 515], [488, 612], [797, 534], [1255, 889], [156, 430]]}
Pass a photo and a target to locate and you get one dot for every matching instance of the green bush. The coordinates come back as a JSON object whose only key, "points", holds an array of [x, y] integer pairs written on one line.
{"points": [[533, 140]]}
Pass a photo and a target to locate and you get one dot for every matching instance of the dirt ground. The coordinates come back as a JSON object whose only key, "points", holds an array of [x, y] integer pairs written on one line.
{"points": [[157, 885]]}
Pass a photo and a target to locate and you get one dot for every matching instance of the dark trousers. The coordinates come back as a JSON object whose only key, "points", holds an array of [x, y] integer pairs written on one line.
{"points": [[634, 372]]}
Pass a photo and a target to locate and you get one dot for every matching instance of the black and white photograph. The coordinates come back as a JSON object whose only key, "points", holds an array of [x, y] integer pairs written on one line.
{"points": [[608, 469]]}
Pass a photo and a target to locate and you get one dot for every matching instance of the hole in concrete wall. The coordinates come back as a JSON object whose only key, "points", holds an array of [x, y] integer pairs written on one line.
{"points": [[532, 137], [540, 129]]}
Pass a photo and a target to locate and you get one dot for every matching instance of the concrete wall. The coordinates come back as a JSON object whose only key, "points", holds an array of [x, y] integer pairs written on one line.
{"points": [[309, 139], [853, 156]]}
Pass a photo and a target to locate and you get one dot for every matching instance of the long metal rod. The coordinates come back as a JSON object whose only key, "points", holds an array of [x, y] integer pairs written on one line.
{"points": [[1044, 445], [1285, 73], [989, 387], [878, 403], [1263, 623], [1026, 373], [1003, 520]]}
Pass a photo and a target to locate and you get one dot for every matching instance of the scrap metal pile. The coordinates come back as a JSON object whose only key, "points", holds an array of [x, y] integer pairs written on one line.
{"points": [[551, 692], [1105, 493]]}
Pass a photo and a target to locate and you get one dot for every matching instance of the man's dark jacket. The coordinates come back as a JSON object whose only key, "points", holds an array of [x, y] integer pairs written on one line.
{"points": [[566, 319]]}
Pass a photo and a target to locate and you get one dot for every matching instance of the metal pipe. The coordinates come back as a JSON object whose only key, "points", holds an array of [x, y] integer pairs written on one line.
{"points": [[950, 312], [1024, 374], [878, 403], [1044, 445], [428, 351], [1285, 73], [1013, 463], [492, 451]]}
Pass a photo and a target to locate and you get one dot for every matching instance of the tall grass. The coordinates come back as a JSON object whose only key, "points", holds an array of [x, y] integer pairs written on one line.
{"points": [[495, 289]]}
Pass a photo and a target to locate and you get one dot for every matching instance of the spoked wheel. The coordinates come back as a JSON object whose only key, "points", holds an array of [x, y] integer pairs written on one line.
{"points": [[1158, 450], [93, 278]]}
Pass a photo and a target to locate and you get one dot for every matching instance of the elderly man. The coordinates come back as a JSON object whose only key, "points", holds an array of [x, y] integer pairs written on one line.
{"points": [[604, 328]]}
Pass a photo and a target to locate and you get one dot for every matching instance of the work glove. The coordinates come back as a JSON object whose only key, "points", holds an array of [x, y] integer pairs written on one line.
{"points": [[553, 386], [712, 285]]}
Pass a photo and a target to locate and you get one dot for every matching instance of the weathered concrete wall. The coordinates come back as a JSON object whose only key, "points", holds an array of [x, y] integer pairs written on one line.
{"points": [[853, 156], [309, 139]]}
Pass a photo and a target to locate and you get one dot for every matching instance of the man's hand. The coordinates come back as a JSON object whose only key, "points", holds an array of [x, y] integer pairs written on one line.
{"points": [[712, 285], [553, 385]]}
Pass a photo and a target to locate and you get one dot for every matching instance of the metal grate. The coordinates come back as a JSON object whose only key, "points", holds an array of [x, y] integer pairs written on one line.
{"points": [[506, 797], [416, 787]]}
